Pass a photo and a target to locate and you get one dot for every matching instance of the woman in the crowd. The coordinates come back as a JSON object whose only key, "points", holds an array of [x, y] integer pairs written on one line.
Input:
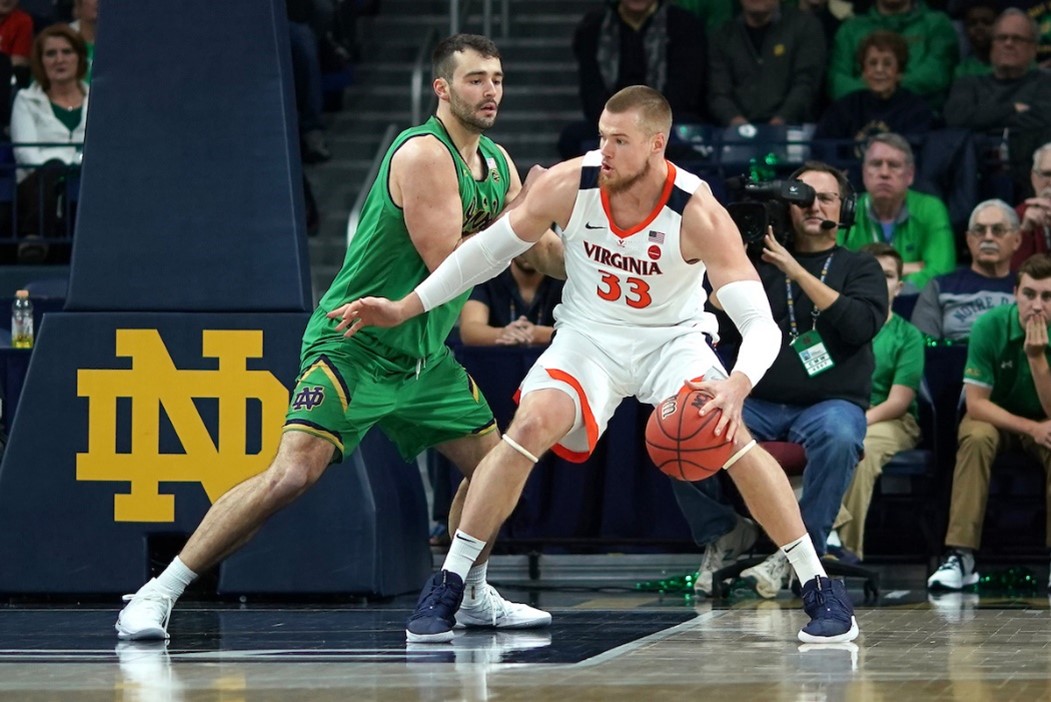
{"points": [[49, 117]]}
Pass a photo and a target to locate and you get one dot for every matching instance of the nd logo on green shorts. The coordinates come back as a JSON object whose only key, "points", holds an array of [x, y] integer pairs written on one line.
{"points": [[308, 398]]}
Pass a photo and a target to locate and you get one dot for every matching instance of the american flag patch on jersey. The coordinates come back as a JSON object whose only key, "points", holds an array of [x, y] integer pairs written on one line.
{"points": [[656, 236]]}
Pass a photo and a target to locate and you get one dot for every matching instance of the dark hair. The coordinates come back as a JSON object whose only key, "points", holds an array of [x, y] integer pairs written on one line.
{"points": [[845, 188], [654, 110], [443, 60], [884, 41], [882, 248], [36, 57], [1037, 267]]}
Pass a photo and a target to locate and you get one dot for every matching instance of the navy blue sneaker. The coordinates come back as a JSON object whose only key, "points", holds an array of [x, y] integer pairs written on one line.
{"points": [[831, 614], [435, 614]]}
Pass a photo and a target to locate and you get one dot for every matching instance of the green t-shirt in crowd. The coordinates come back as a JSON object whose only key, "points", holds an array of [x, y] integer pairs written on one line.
{"points": [[996, 359], [898, 348]]}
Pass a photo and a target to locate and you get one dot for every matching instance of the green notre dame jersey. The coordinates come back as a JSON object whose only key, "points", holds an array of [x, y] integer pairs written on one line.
{"points": [[382, 261]]}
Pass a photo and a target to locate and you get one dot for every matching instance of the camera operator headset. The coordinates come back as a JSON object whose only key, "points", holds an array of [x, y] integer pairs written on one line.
{"points": [[765, 205], [848, 205], [799, 275]]}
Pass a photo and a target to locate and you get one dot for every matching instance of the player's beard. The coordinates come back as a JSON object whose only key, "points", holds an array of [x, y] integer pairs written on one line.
{"points": [[613, 184], [467, 114]]}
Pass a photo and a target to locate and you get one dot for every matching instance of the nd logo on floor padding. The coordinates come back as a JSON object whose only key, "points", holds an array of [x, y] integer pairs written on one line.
{"points": [[153, 382]]}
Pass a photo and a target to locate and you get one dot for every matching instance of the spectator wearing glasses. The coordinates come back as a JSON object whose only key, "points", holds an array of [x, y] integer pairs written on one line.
{"points": [[883, 106], [1013, 102], [915, 224], [950, 304], [933, 48], [1007, 384], [1035, 211]]}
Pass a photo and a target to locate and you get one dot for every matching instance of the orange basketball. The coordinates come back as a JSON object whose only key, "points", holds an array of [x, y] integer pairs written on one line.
{"points": [[681, 442]]}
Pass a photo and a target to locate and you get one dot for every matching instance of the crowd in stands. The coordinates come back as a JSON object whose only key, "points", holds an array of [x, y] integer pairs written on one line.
{"points": [[942, 108], [46, 50]]}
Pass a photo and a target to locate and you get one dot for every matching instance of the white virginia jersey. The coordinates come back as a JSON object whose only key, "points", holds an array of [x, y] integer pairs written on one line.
{"points": [[634, 277]]}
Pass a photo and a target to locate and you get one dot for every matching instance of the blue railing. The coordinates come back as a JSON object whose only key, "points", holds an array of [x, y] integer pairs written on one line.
{"points": [[38, 213]]}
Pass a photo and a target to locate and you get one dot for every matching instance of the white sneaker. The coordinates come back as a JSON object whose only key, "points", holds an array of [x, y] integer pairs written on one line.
{"points": [[769, 576], [956, 572], [722, 552], [145, 617], [488, 609]]}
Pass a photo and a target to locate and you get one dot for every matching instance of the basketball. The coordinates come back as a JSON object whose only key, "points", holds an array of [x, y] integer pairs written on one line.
{"points": [[681, 442]]}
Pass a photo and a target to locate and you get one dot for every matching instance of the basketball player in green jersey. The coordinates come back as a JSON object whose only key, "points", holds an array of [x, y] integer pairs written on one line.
{"points": [[439, 182]]}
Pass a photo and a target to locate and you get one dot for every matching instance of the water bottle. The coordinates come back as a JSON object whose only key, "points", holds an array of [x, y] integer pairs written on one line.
{"points": [[22, 321]]}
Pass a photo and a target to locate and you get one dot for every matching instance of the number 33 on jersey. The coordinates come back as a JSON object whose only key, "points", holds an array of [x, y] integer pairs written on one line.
{"points": [[631, 276]]}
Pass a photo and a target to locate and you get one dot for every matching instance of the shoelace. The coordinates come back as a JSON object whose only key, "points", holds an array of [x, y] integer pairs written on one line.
{"points": [[818, 598], [442, 595], [157, 603], [492, 602], [952, 563]]}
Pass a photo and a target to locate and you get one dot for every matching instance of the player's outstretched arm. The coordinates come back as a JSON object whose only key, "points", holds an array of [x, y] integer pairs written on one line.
{"points": [[478, 259]]}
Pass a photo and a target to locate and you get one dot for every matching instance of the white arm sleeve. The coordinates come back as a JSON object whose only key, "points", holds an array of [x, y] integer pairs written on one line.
{"points": [[477, 260], [746, 303]]}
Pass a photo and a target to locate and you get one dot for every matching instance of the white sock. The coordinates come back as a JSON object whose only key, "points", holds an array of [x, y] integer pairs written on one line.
{"points": [[463, 551], [475, 581], [833, 539], [804, 560], [176, 578]]}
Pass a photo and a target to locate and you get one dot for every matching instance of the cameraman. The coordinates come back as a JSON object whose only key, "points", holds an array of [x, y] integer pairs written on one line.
{"points": [[829, 303]]}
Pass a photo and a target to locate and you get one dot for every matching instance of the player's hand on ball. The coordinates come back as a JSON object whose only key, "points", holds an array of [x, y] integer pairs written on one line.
{"points": [[728, 397]]}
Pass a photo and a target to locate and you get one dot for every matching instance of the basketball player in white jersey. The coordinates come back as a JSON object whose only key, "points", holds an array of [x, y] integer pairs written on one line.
{"points": [[639, 235]]}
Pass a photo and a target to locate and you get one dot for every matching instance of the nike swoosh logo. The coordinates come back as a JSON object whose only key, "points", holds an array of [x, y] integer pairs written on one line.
{"points": [[589, 225]]}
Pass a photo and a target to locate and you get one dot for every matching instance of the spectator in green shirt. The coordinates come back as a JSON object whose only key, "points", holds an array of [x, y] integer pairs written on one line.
{"points": [[978, 19], [891, 416], [1007, 384], [915, 224], [933, 48]]}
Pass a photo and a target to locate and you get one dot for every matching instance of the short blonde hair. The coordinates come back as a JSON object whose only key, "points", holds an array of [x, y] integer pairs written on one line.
{"points": [[654, 110]]}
